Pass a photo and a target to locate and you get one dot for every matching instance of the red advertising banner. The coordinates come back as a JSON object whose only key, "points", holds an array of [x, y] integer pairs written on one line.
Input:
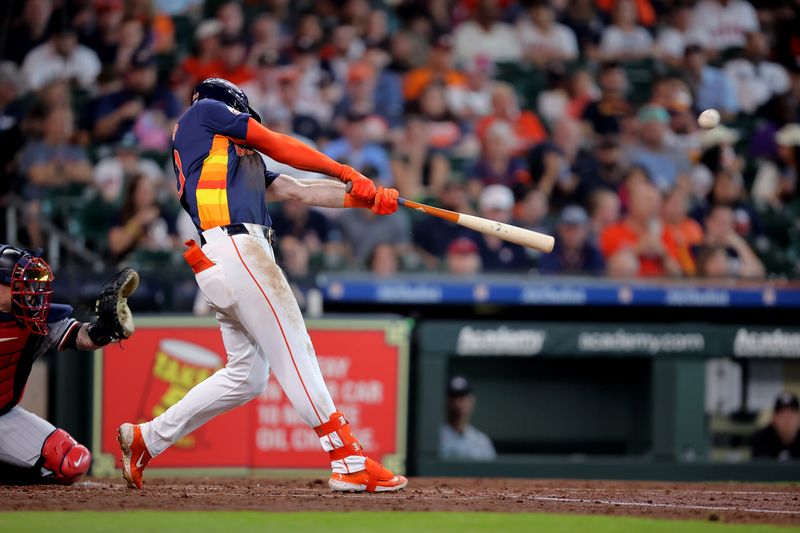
{"points": [[365, 365]]}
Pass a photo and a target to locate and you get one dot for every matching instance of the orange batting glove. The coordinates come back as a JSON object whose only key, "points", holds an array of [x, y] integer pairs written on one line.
{"points": [[385, 202], [363, 188]]}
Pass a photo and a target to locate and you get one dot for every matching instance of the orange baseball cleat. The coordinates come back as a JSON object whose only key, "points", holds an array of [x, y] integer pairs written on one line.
{"points": [[375, 478], [134, 454]]}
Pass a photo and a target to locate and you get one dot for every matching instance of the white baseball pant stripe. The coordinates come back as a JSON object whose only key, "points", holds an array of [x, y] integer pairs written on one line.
{"points": [[22, 435], [262, 330]]}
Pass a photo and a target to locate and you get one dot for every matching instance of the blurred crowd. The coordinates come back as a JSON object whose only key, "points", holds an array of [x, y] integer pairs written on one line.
{"points": [[572, 117]]}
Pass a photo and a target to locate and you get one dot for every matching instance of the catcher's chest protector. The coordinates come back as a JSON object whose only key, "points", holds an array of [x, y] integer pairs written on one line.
{"points": [[14, 364]]}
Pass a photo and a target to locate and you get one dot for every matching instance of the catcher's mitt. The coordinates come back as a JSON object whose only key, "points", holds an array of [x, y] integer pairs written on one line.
{"points": [[114, 319]]}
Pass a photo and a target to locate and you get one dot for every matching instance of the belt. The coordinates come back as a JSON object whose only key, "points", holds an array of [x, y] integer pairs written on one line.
{"points": [[245, 229]]}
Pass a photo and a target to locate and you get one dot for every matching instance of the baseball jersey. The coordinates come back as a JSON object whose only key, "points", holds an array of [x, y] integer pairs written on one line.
{"points": [[19, 348], [220, 181]]}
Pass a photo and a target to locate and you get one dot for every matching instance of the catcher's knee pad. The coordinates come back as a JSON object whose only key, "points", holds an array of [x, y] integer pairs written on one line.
{"points": [[65, 458]]}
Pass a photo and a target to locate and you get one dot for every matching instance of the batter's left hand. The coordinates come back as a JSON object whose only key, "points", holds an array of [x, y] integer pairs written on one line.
{"points": [[385, 202], [362, 187]]}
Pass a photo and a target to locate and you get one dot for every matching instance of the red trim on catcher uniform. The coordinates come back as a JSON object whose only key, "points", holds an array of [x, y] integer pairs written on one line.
{"points": [[280, 326]]}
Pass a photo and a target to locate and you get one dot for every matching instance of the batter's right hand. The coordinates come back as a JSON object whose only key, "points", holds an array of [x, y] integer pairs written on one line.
{"points": [[385, 202], [362, 188]]}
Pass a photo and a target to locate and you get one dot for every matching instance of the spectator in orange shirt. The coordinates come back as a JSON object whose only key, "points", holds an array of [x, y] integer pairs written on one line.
{"points": [[204, 62], [232, 56], [505, 106], [645, 14], [642, 232], [682, 233], [438, 69]]}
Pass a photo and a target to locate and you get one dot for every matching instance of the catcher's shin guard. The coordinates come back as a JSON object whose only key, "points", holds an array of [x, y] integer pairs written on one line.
{"points": [[65, 458], [345, 452]]}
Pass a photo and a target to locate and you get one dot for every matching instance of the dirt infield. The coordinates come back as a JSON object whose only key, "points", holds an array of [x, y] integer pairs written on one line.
{"points": [[725, 502]]}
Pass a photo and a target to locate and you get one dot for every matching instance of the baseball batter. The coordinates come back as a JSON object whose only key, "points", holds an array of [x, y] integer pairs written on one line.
{"points": [[222, 183], [32, 449]]}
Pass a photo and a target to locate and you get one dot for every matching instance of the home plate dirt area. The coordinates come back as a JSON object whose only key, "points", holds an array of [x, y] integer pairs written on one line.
{"points": [[724, 502]]}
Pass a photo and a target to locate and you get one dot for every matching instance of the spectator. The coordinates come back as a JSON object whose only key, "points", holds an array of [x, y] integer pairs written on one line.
{"points": [[664, 165], [106, 36], [505, 107], [604, 170], [604, 210], [458, 440], [776, 183], [720, 232], [383, 261], [496, 202], [712, 263], [141, 106], [295, 259], [131, 39], [345, 47], [497, 163], [583, 18], [724, 22], [265, 33], [355, 148], [573, 252], [781, 438], [360, 98], [645, 13], [432, 235], [31, 30], [582, 91], [263, 87], [712, 88], [473, 100], [60, 57], [542, 38], [717, 157], [420, 170], [363, 231], [53, 163], [308, 113], [623, 40], [485, 34], [756, 79], [388, 92], [310, 227], [532, 212], [11, 136], [462, 258], [606, 114], [445, 132], [231, 16], [623, 265], [204, 61], [112, 173], [142, 224], [683, 234], [684, 136], [438, 69], [551, 173], [676, 35], [642, 232], [232, 61]]}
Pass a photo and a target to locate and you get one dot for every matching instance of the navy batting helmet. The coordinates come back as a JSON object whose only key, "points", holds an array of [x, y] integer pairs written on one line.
{"points": [[226, 92]]}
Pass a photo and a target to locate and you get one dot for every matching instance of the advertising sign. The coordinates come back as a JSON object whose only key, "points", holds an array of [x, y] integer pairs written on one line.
{"points": [[365, 365]]}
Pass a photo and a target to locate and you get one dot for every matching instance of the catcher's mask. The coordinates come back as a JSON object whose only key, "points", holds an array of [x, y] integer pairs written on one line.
{"points": [[29, 277]]}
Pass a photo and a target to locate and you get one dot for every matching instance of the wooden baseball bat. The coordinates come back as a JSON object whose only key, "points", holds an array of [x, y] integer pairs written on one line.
{"points": [[507, 232]]}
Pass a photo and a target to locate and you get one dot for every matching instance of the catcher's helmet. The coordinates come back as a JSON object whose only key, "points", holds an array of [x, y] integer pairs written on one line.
{"points": [[226, 92], [30, 279]]}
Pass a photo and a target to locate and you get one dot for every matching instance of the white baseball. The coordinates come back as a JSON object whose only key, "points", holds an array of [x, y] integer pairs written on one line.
{"points": [[708, 119]]}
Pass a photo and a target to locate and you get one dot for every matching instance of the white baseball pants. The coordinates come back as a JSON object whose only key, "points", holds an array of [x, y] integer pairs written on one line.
{"points": [[262, 329]]}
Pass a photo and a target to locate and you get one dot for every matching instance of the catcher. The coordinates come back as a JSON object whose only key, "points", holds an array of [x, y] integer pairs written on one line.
{"points": [[31, 449]]}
